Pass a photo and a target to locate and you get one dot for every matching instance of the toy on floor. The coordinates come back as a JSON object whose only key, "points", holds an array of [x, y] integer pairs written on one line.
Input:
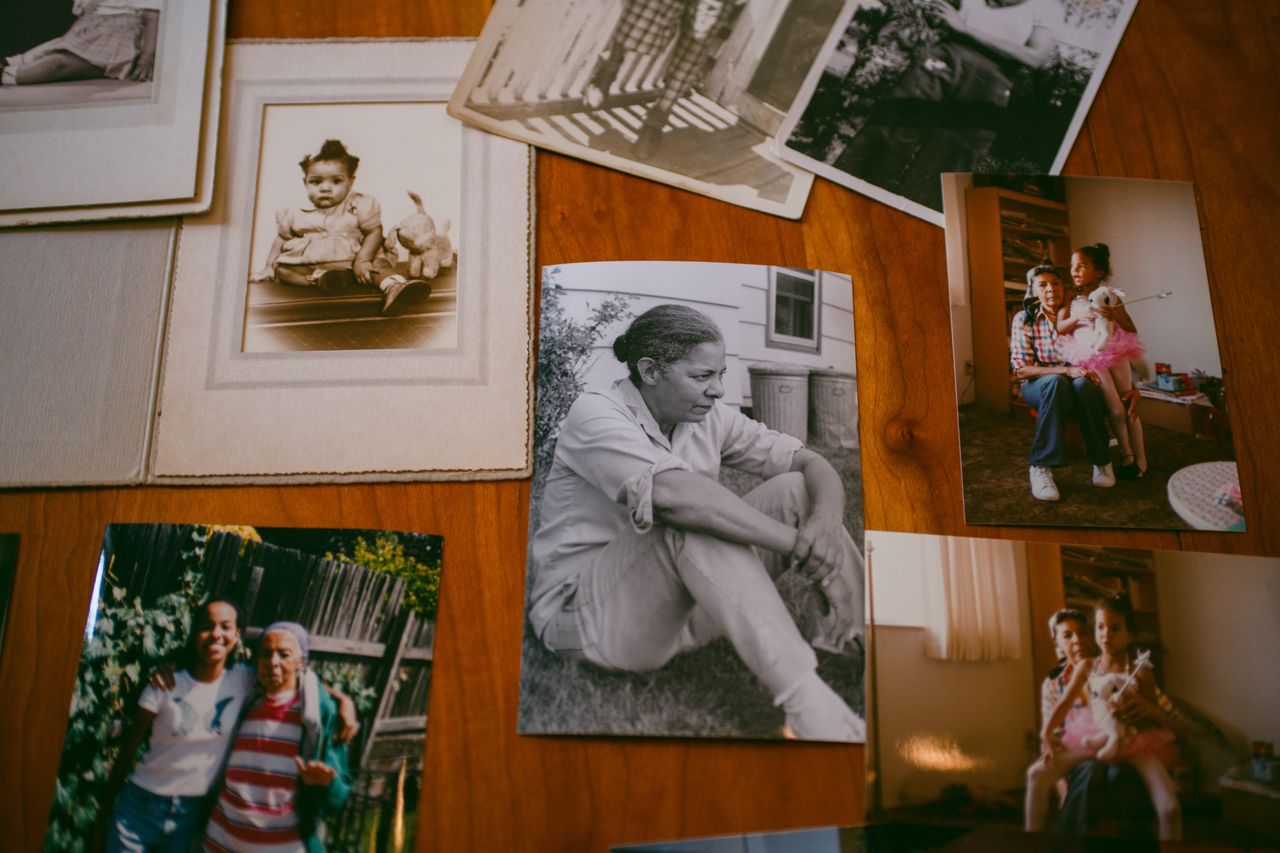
{"points": [[430, 250]]}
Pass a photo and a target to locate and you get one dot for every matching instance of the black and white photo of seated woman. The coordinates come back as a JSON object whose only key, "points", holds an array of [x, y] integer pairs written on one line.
{"points": [[670, 535], [916, 88]]}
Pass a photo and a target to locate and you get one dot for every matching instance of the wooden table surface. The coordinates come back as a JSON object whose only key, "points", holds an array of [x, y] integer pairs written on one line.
{"points": [[1193, 94]]}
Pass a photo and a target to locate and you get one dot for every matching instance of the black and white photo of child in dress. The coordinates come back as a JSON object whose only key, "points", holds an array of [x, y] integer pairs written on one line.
{"points": [[353, 228], [109, 40]]}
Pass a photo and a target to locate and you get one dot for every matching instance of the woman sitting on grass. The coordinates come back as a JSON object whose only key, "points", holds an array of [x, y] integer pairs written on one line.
{"points": [[642, 555]]}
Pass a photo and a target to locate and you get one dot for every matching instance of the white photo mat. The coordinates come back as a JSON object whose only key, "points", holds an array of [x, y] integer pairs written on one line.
{"points": [[128, 159], [906, 205], [454, 413]]}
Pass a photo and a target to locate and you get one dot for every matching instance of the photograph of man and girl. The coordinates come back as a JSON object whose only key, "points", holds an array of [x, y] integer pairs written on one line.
{"points": [[64, 52], [909, 89], [686, 92], [250, 689], [352, 245], [1145, 705], [694, 570], [1087, 364]]}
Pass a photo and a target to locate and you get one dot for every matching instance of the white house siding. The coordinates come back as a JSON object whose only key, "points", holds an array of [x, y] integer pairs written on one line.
{"points": [[733, 295], [836, 349]]}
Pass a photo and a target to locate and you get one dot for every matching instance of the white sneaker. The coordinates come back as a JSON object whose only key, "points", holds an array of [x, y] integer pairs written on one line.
{"points": [[1042, 486], [1103, 476]]}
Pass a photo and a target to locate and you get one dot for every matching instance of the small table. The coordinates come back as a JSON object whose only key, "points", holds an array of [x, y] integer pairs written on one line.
{"points": [[1191, 492]]}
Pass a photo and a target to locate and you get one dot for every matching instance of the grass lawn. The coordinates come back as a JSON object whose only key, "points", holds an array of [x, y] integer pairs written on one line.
{"points": [[707, 692]]}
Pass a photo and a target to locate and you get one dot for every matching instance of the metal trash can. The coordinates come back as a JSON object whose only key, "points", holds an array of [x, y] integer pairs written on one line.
{"points": [[780, 397], [833, 413]]}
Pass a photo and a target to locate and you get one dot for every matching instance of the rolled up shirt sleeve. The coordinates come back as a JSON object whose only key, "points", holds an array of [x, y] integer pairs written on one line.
{"points": [[1021, 350], [605, 446], [750, 446]]}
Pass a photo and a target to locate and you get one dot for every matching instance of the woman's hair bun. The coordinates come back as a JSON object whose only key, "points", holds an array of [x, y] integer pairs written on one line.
{"points": [[620, 348]]}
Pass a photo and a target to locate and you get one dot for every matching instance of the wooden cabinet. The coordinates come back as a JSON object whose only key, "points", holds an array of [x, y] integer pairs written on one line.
{"points": [[1009, 232]]}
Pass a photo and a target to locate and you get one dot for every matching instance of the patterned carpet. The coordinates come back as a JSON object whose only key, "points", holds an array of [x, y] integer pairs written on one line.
{"points": [[994, 447]]}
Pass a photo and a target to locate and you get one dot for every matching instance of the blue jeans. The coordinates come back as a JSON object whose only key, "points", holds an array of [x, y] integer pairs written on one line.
{"points": [[1055, 398], [143, 821]]}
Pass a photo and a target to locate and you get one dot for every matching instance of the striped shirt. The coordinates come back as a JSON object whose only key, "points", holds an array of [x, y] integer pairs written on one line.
{"points": [[1035, 345], [257, 809]]}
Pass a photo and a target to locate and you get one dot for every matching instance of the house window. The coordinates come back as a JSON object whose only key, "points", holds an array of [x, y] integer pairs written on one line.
{"points": [[795, 310]]}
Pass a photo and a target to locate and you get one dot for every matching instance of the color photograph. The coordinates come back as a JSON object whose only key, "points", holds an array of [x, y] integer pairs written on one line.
{"points": [[695, 554], [684, 92], [1091, 385], [244, 686], [1075, 690], [354, 212], [909, 89]]}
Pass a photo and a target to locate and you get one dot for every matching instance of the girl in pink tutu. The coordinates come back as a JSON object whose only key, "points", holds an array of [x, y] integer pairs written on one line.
{"points": [[1088, 731], [1090, 267]]}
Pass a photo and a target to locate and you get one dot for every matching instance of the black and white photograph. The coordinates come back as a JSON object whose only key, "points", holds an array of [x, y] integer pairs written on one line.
{"points": [[685, 92], [353, 228], [909, 89], [1075, 690], [695, 556], [1092, 390], [250, 688], [8, 568], [66, 52]]}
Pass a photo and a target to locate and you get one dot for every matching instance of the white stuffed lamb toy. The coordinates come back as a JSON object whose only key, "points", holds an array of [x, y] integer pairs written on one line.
{"points": [[1103, 687], [1103, 297]]}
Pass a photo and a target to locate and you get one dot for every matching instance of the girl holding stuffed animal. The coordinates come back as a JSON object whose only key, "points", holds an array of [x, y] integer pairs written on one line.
{"points": [[336, 241], [1117, 684], [1090, 269]]}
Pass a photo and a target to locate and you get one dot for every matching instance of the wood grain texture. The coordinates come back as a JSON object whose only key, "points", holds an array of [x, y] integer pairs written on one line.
{"points": [[1193, 94]]}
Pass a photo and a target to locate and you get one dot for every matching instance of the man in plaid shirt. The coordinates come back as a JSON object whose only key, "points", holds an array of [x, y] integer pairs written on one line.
{"points": [[1055, 389], [647, 27]]}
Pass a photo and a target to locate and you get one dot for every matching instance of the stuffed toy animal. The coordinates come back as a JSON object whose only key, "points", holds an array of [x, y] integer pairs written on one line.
{"points": [[1103, 329], [430, 250], [1111, 732], [1103, 687]]}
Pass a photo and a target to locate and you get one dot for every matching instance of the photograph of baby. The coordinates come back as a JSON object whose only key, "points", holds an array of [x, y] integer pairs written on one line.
{"points": [[1076, 690], [1087, 365], [60, 52], [243, 688], [685, 92], [353, 228], [909, 89], [695, 558]]}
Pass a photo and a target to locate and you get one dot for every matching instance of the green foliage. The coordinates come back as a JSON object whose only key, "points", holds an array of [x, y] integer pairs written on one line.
{"points": [[385, 553], [347, 678], [565, 346], [129, 641]]}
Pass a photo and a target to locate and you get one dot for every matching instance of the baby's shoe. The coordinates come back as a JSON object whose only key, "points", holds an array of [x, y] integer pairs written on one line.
{"points": [[402, 294]]}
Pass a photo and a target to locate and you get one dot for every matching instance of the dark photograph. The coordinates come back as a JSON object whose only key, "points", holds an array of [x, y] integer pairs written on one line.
{"points": [[248, 688], [695, 557], [1080, 691], [914, 88]]}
